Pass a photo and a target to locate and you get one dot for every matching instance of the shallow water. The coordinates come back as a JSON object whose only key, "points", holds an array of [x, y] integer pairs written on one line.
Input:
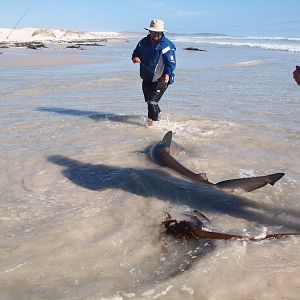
{"points": [[81, 203]]}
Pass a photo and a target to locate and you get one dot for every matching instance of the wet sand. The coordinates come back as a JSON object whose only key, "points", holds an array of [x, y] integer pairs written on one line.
{"points": [[26, 58]]}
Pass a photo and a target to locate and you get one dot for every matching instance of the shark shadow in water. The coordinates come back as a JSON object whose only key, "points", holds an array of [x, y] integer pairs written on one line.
{"points": [[136, 120], [161, 185]]}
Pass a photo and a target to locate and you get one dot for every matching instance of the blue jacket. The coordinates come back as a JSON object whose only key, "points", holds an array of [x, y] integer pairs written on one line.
{"points": [[156, 60]]}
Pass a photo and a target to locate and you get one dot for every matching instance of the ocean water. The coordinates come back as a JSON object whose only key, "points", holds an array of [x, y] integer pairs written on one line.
{"points": [[81, 203]]}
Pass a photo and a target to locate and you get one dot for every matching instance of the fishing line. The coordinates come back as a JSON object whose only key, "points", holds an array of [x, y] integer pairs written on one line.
{"points": [[25, 13], [146, 67], [168, 108], [125, 55]]}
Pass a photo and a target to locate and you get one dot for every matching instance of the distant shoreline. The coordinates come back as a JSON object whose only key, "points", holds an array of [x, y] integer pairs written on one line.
{"points": [[12, 56], [36, 39]]}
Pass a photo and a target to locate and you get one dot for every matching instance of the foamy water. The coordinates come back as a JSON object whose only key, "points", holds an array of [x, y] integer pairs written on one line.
{"points": [[290, 44], [81, 203]]}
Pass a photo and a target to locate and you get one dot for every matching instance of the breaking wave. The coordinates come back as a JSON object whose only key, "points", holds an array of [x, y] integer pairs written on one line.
{"points": [[290, 44]]}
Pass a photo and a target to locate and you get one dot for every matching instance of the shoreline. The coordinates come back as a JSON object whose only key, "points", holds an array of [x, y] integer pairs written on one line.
{"points": [[32, 47], [34, 38]]}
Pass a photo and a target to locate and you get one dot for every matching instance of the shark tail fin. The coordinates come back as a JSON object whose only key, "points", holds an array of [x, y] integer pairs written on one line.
{"points": [[202, 176], [275, 177], [168, 138]]}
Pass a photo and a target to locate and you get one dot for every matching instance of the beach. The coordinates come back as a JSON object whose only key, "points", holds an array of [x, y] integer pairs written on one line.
{"points": [[82, 203]]}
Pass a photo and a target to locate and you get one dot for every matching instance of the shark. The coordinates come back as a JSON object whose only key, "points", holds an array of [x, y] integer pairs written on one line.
{"points": [[163, 152]]}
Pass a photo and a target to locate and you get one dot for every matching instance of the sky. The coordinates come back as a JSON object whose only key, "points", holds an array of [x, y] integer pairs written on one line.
{"points": [[233, 17]]}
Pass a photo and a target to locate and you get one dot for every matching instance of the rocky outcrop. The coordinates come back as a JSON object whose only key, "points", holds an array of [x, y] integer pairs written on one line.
{"points": [[29, 45]]}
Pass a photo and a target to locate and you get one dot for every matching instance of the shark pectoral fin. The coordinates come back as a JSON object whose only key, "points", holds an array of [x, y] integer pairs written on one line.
{"points": [[175, 148], [273, 178]]}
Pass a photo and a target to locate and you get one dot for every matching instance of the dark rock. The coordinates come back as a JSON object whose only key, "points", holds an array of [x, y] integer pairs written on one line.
{"points": [[193, 49], [3, 45], [29, 45], [75, 47], [89, 44], [32, 47]]}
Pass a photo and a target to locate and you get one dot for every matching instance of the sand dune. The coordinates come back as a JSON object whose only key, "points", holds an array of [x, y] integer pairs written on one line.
{"points": [[52, 35], [79, 34], [47, 33]]}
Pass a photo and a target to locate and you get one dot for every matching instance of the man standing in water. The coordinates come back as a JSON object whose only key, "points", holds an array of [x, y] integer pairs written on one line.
{"points": [[156, 56]]}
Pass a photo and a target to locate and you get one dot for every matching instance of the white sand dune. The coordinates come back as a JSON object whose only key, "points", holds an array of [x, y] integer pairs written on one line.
{"points": [[52, 35], [79, 34]]}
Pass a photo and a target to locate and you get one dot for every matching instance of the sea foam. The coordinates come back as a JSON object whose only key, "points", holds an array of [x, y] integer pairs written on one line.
{"points": [[290, 44]]}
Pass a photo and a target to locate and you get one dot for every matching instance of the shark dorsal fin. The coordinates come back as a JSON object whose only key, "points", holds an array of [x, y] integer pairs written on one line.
{"points": [[167, 139]]}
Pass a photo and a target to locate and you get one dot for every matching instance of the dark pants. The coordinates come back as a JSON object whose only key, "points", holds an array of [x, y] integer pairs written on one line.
{"points": [[153, 91]]}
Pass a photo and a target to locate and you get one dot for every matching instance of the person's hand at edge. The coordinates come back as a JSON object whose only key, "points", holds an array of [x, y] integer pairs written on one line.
{"points": [[136, 60]]}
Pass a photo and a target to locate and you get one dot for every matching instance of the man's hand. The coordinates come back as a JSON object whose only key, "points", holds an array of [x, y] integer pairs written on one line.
{"points": [[296, 75], [136, 60], [165, 78]]}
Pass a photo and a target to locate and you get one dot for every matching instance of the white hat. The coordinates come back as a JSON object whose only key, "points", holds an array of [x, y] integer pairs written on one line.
{"points": [[156, 25]]}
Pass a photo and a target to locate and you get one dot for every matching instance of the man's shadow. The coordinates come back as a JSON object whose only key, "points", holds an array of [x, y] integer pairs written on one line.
{"points": [[136, 120], [162, 185]]}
